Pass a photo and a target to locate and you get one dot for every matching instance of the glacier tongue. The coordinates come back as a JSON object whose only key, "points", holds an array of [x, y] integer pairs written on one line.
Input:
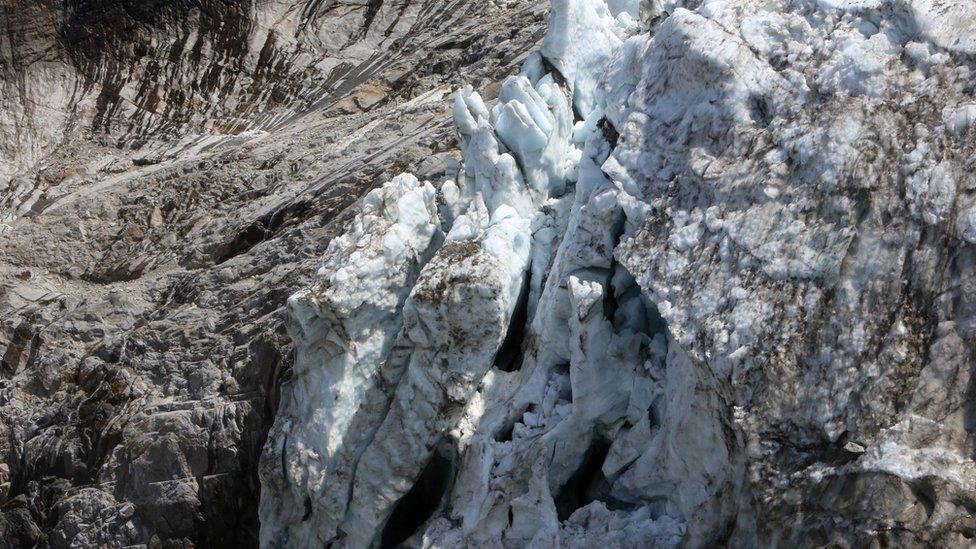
{"points": [[644, 312], [531, 223], [367, 409]]}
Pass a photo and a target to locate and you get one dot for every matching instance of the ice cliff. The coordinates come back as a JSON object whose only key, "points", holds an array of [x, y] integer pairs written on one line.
{"points": [[703, 277]]}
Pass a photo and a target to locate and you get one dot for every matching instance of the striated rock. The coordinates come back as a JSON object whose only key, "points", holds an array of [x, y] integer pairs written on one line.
{"points": [[190, 170]]}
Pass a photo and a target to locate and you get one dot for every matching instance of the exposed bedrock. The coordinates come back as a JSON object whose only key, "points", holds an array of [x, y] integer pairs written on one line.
{"points": [[170, 173]]}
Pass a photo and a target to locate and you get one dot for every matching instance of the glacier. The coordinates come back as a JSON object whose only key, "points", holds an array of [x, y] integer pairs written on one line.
{"points": [[690, 286], [430, 273]]}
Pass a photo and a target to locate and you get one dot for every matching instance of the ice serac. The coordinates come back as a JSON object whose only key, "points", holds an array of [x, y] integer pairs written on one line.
{"points": [[345, 328], [706, 280], [454, 322]]}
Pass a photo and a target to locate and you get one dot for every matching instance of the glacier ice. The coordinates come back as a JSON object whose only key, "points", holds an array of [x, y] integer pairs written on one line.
{"points": [[347, 327], [657, 217]]}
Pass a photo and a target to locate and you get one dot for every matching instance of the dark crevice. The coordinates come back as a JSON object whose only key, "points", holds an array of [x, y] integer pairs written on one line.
{"points": [[372, 9], [260, 230], [655, 412], [655, 322], [760, 110], [560, 80], [924, 492], [250, 236], [455, 44], [589, 484], [807, 452], [111, 272], [509, 357], [609, 132], [506, 434], [24, 339], [566, 391], [610, 299], [586, 484], [423, 499], [284, 459], [626, 304]]}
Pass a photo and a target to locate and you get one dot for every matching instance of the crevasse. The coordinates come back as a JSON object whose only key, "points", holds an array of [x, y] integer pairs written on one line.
{"points": [[582, 436]]}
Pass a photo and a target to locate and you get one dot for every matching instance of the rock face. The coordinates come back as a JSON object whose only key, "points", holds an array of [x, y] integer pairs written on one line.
{"points": [[703, 278], [170, 172]]}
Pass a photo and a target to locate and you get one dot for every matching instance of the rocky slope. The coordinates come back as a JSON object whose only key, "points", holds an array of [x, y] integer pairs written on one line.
{"points": [[169, 173], [704, 278]]}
